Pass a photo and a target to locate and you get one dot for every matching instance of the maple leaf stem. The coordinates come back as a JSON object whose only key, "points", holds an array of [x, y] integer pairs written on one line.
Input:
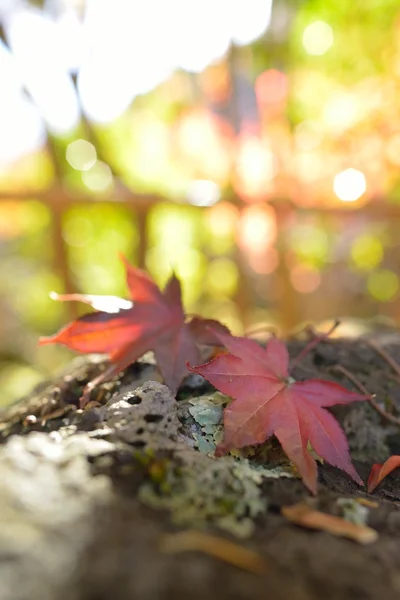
{"points": [[371, 399], [312, 344]]}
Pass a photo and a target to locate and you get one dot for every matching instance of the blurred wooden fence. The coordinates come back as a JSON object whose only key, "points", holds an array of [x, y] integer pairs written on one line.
{"points": [[58, 199]]}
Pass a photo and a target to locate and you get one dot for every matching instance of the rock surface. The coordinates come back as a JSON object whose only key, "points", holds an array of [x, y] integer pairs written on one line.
{"points": [[89, 499], [49, 507]]}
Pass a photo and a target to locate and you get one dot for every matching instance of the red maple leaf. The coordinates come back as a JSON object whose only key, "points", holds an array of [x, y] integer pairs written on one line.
{"points": [[156, 321], [380, 471], [268, 401]]}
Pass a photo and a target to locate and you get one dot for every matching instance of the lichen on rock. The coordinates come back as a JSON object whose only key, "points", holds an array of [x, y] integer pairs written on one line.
{"points": [[207, 413], [353, 511], [199, 490], [196, 488], [145, 417]]}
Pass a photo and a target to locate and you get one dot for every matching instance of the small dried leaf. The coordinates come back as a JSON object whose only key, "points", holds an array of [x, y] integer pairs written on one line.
{"points": [[229, 552], [304, 515], [367, 503], [380, 471]]}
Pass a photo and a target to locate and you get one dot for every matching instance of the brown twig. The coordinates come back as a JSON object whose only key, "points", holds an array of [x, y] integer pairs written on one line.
{"points": [[261, 329], [309, 330], [317, 339], [371, 398], [56, 414], [393, 377], [383, 354], [308, 370]]}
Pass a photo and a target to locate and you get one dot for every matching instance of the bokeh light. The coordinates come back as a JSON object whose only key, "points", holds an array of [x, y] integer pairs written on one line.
{"points": [[264, 263], [317, 38], [98, 177], [221, 222], [349, 185], [367, 252], [310, 244], [78, 231], [133, 33], [304, 279], [383, 285], [40, 60], [222, 277], [341, 111], [202, 192], [81, 155], [255, 168], [257, 228], [222, 219], [392, 149], [308, 135], [271, 87]]}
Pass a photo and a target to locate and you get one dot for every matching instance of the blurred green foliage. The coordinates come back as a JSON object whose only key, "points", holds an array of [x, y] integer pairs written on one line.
{"points": [[271, 124]]}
